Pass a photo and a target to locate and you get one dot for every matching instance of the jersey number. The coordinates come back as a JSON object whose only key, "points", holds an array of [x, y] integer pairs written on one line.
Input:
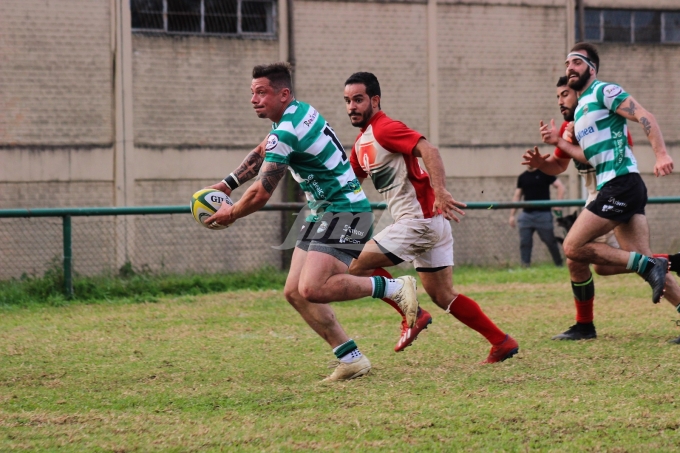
{"points": [[331, 133]]}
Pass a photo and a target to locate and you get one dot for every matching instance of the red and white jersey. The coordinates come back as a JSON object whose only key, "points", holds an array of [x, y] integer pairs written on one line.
{"points": [[383, 151]]}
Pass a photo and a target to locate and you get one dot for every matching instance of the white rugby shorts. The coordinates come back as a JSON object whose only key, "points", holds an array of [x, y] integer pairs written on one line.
{"points": [[428, 243]]}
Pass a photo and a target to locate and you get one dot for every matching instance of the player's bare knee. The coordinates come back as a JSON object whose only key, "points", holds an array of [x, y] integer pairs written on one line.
{"points": [[312, 293], [292, 295], [570, 250]]}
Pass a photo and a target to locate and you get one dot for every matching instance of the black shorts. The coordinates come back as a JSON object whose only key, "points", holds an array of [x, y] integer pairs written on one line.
{"points": [[339, 234], [621, 198]]}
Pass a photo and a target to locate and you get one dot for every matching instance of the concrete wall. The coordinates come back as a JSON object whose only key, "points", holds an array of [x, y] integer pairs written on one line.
{"points": [[495, 65]]}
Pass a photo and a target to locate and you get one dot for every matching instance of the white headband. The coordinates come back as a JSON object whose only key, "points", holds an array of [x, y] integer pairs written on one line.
{"points": [[585, 59]]}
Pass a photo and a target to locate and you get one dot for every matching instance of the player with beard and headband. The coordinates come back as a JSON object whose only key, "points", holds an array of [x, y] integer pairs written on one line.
{"points": [[601, 131], [340, 223], [582, 283], [387, 151]]}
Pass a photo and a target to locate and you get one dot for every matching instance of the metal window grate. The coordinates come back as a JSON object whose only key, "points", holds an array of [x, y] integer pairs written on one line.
{"points": [[254, 18], [630, 26]]}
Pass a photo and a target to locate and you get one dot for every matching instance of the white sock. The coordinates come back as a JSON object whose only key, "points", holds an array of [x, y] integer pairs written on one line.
{"points": [[351, 357], [393, 286]]}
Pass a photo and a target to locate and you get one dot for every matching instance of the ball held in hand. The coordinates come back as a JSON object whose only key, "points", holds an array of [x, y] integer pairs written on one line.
{"points": [[205, 203]]}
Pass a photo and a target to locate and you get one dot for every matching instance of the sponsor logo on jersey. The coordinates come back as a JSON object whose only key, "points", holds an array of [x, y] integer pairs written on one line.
{"points": [[582, 133], [272, 141], [611, 91], [319, 193], [367, 155], [323, 226], [309, 121], [354, 186]]}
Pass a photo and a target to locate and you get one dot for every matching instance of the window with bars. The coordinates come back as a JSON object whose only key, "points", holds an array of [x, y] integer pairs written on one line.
{"points": [[631, 26], [254, 18]]}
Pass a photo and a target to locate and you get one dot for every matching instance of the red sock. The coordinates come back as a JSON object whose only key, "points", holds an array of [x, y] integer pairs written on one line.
{"points": [[380, 272], [584, 310], [470, 313]]}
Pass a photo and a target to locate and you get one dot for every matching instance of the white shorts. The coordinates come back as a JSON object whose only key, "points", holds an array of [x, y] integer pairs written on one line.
{"points": [[426, 242], [609, 239]]}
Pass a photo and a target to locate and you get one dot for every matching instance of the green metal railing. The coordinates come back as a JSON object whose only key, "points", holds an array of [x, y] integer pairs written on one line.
{"points": [[68, 213]]}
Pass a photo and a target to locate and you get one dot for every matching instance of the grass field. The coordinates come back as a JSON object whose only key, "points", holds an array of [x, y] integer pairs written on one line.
{"points": [[240, 371]]}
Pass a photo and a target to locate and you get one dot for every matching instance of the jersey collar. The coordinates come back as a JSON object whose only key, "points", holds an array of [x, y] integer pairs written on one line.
{"points": [[375, 118]]}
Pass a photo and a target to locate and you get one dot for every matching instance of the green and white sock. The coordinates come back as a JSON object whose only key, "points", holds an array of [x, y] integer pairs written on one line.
{"points": [[347, 352], [379, 285], [639, 262]]}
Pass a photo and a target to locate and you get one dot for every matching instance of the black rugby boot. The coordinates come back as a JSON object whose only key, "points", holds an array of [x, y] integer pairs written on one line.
{"points": [[579, 331], [656, 277]]}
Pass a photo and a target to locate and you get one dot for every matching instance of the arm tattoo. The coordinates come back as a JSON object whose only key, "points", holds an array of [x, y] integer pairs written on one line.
{"points": [[646, 124], [249, 168], [630, 110], [271, 175]]}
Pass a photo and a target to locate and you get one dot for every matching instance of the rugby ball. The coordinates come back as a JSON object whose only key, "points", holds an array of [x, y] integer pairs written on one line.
{"points": [[205, 203]]}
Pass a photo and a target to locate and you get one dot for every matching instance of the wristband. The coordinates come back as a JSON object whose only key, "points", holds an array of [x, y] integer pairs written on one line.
{"points": [[231, 181]]}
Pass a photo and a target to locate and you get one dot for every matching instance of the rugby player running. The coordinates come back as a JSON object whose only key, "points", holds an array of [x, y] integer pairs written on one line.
{"points": [[340, 222], [387, 151], [601, 131], [582, 284]]}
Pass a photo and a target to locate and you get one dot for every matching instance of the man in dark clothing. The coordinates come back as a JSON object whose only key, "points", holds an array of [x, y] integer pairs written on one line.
{"points": [[533, 185]]}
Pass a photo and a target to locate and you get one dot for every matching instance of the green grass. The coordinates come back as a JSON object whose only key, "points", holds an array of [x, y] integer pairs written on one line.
{"points": [[240, 371], [129, 286]]}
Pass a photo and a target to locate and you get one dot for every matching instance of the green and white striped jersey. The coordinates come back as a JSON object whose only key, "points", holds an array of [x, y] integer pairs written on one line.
{"points": [[603, 134], [305, 142]]}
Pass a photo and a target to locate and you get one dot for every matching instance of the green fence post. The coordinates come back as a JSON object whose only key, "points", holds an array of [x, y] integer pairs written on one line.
{"points": [[68, 257]]}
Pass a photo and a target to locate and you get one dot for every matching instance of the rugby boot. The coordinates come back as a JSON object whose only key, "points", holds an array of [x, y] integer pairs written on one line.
{"points": [[407, 300], [656, 277], [675, 340], [409, 334], [579, 331], [346, 371], [503, 351]]}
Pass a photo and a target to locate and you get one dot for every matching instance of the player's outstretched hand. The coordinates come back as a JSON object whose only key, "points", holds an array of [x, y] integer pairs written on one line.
{"points": [[663, 166], [549, 133], [221, 217], [533, 158], [222, 187], [444, 201]]}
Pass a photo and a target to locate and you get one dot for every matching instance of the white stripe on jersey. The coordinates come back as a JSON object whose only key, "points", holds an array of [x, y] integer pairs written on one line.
{"points": [[605, 176], [302, 129], [600, 158], [347, 176], [588, 98], [286, 127], [595, 138]]}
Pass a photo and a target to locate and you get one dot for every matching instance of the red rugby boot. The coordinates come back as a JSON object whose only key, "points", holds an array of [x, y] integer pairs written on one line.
{"points": [[503, 351], [408, 335]]}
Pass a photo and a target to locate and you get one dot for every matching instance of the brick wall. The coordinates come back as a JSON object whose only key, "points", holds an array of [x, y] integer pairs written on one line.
{"points": [[55, 72], [328, 50], [195, 91]]}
